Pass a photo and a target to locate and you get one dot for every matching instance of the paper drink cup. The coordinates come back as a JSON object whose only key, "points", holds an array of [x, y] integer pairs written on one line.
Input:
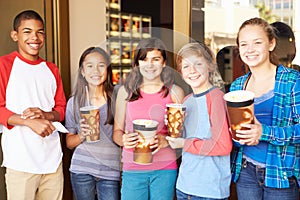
{"points": [[147, 130], [240, 105], [92, 117], [175, 117]]}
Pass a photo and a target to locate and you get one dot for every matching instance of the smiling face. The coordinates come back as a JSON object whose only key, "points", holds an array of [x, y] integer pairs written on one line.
{"points": [[152, 65], [195, 72], [30, 37], [254, 46], [94, 69]]}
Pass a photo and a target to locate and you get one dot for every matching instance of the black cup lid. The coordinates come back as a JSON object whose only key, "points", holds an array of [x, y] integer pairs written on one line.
{"points": [[240, 104], [143, 127]]}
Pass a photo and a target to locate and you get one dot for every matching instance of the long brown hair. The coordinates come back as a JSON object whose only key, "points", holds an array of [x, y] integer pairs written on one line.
{"points": [[80, 91], [268, 29], [135, 78]]}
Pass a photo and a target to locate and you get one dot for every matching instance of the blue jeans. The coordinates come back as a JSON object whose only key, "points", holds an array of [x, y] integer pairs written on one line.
{"points": [[183, 196], [148, 185], [86, 187], [250, 185]]}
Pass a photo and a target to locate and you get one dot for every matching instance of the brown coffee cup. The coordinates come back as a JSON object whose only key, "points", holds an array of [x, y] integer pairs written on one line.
{"points": [[240, 105], [92, 117], [147, 130], [175, 118]]}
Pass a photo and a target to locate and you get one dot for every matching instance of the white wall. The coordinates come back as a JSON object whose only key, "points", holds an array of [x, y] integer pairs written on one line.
{"points": [[227, 19], [87, 28]]}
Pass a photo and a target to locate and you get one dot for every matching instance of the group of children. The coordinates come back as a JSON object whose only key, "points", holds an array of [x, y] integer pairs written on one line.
{"points": [[31, 97]]}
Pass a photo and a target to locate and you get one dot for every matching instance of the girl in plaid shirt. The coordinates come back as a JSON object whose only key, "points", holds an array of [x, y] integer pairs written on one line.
{"points": [[265, 162]]}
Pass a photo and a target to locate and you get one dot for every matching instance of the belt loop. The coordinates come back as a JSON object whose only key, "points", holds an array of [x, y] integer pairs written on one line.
{"points": [[244, 163]]}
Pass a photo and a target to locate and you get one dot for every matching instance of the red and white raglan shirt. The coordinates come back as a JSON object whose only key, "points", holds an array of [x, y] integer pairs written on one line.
{"points": [[205, 167], [25, 84]]}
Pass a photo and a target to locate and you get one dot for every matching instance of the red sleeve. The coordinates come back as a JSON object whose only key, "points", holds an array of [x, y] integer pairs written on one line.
{"points": [[60, 98], [220, 143], [5, 69]]}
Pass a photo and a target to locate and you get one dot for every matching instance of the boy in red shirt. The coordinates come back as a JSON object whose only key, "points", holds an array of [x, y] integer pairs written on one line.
{"points": [[31, 98]]}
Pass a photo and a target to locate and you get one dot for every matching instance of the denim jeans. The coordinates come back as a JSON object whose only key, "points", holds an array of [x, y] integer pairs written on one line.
{"points": [[183, 196], [86, 187], [250, 185]]}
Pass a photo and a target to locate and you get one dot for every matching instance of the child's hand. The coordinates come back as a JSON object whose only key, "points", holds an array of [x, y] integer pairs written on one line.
{"points": [[41, 127], [154, 144], [84, 130], [166, 117], [33, 113], [130, 140], [159, 141], [251, 136], [175, 143]]}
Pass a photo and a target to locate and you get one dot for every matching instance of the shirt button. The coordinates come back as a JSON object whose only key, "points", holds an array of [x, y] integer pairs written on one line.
{"points": [[284, 175]]}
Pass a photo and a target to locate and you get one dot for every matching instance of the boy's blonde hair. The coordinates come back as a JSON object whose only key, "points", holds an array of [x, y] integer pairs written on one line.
{"points": [[202, 51]]}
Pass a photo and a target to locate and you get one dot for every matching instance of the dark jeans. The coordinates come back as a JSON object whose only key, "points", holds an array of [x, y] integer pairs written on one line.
{"points": [[182, 196], [250, 185], [85, 187]]}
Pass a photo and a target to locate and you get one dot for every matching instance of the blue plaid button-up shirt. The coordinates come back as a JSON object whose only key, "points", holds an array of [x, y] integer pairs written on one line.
{"points": [[283, 136]]}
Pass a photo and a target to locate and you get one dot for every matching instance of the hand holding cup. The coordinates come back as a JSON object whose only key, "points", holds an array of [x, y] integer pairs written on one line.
{"points": [[175, 143], [130, 140], [158, 142], [92, 118], [240, 105], [84, 130], [146, 130], [250, 134]]}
